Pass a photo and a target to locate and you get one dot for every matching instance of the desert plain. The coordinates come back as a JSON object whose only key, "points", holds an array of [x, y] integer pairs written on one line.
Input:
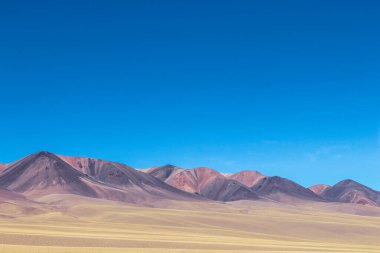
{"points": [[70, 224]]}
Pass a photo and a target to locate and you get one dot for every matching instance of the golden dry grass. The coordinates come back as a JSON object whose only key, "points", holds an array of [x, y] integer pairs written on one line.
{"points": [[79, 225]]}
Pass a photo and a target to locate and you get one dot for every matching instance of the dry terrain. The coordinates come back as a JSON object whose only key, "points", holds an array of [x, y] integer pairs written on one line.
{"points": [[69, 223]]}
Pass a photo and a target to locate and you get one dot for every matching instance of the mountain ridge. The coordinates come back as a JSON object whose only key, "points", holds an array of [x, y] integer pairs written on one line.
{"points": [[45, 173], [204, 181], [350, 191]]}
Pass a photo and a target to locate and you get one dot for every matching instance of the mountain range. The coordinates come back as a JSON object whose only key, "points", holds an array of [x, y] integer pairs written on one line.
{"points": [[42, 174]]}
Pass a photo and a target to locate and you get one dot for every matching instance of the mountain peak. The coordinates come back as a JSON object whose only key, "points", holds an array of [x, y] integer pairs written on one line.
{"points": [[247, 177], [163, 172], [169, 166], [43, 154], [348, 182], [43, 173], [319, 188], [272, 186], [350, 191]]}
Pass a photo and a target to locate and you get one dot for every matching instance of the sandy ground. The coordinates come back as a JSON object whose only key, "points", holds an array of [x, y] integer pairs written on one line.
{"points": [[83, 225]]}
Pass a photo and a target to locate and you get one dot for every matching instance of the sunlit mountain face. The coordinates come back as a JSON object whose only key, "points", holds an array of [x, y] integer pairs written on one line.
{"points": [[44, 173]]}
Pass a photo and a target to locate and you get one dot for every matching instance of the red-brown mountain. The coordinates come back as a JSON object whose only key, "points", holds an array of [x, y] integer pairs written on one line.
{"points": [[282, 189], [164, 172], [216, 186], [44, 173], [319, 188], [206, 182], [350, 191], [247, 177], [124, 177], [120, 175]]}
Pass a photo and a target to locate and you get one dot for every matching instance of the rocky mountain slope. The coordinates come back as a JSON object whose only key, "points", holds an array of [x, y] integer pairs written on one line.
{"points": [[43, 174]]}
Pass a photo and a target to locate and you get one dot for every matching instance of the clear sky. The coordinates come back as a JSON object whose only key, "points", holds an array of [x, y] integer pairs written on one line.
{"points": [[289, 88]]}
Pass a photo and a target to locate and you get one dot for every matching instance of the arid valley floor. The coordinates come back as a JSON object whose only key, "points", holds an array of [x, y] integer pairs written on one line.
{"points": [[77, 224]]}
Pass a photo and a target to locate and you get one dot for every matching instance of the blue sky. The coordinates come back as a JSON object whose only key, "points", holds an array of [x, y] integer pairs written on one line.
{"points": [[289, 89]]}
